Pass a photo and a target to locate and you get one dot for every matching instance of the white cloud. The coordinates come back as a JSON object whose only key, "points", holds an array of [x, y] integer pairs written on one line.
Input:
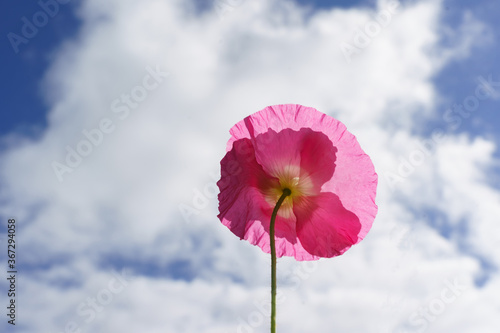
{"points": [[119, 207]]}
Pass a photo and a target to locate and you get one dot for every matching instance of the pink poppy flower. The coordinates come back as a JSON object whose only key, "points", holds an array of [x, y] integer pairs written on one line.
{"points": [[332, 182]]}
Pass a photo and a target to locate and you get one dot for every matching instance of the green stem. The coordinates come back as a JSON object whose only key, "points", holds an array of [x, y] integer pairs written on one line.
{"points": [[286, 192]]}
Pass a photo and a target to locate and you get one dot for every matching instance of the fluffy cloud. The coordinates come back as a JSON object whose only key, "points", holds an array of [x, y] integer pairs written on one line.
{"points": [[156, 85]]}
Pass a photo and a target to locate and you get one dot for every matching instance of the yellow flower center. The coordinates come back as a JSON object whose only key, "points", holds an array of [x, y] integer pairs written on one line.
{"points": [[298, 183]]}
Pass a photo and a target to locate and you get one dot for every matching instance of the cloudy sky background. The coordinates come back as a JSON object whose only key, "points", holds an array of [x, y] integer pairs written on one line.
{"points": [[128, 240]]}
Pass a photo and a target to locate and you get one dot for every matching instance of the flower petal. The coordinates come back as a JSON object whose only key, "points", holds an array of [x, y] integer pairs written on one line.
{"points": [[345, 178], [240, 173], [306, 155], [244, 209], [324, 227], [317, 158]]}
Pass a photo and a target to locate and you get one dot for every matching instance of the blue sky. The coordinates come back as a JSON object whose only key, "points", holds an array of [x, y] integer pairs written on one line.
{"points": [[23, 70], [25, 107], [120, 207]]}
